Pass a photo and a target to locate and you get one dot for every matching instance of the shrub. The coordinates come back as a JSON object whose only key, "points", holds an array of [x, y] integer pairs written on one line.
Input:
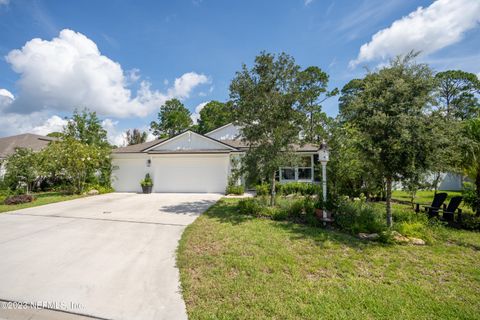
{"points": [[101, 189], [255, 207], [231, 189], [249, 207], [295, 208], [147, 182], [470, 222], [469, 195], [18, 199], [262, 189], [303, 188], [412, 229], [280, 214], [358, 216]]}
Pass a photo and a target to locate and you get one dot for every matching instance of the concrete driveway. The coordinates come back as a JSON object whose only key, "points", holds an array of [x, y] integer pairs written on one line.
{"points": [[110, 256]]}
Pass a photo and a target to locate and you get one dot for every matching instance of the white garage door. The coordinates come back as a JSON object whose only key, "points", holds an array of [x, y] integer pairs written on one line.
{"points": [[128, 173], [190, 173]]}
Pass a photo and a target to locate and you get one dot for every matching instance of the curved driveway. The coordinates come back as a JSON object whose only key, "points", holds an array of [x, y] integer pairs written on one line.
{"points": [[110, 256]]}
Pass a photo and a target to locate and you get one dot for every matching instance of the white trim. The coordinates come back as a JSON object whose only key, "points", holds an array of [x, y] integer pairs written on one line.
{"points": [[296, 179], [190, 131]]}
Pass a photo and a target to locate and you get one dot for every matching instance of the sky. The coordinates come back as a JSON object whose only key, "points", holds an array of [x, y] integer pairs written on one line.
{"points": [[124, 59]]}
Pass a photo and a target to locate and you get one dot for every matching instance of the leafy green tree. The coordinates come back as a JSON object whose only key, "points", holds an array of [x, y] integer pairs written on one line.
{"points": [[135, 137], [350, 171], [446, 154], [77, 163], [22, 169], [390, 114], [173, 118], [214, 115], [313, 84], [87, 128], [472, 154], [348, 95], [55, 135], [267, 103], [456, 92]]}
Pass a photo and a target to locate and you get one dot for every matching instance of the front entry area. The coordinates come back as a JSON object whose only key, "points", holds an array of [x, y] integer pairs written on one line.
{"points": [[190, 173]]}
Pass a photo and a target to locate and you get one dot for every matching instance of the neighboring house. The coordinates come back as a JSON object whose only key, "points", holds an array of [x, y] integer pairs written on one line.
{"points": [[191, 162], [448, 181], [8, 145]]}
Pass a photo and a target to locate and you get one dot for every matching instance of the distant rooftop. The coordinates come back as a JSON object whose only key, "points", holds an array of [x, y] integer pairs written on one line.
{"points": [[27, 140]]}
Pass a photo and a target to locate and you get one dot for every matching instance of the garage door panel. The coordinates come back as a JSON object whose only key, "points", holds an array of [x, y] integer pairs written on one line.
{"points": [[190, 173], [128, 174]]}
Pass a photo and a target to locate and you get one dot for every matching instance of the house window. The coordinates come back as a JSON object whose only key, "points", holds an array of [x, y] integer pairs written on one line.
{"points": [[288, 173], [303, 172]]}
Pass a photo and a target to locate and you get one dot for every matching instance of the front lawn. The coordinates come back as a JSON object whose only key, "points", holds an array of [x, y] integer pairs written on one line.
{"points": [[240, 267], [423, 196], [41, 199]]}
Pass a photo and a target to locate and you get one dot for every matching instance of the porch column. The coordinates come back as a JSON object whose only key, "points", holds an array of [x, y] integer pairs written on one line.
{"points": [[323, 157]]}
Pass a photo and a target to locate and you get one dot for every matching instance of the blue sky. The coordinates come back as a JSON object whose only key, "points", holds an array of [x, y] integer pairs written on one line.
{"points": [[149, 44]]}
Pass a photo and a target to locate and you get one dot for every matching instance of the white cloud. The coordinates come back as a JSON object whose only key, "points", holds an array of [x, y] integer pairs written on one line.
{"points": [[196, 114], [70, 72], [6, 98], [133, 75], [36, 122], [184, 85], [114, 136], [52, 124], [307, 2], [428, 29], [4, 2]]}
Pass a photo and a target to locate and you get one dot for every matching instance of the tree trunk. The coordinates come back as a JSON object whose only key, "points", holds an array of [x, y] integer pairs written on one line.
{"points": [[477, 185], [311, 127], [436, 180], [413, 194], [389, 202], [272, 192]]}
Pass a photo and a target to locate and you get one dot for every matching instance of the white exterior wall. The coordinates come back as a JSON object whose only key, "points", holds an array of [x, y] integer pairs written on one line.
{"points": [[227, 132], [128, 171]]}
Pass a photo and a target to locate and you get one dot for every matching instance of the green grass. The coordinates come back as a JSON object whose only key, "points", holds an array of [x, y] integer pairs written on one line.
{"points": [[425, 197], [238, 267], [40, 199], [422, 197]]}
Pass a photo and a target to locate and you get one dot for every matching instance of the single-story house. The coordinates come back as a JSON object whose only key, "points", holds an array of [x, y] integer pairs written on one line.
{"points": [[8, 145], [192, 162]]}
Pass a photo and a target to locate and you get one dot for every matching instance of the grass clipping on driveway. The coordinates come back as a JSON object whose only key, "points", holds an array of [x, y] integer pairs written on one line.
{"points": [[233, 266]]}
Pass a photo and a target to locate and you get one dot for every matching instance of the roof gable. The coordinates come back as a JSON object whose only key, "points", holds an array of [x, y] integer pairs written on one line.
{"points": [[190, 141], [226, 132]]}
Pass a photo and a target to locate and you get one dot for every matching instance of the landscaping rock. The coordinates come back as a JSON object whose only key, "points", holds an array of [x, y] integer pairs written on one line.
{"points": [[399, 238], [368, 236], [93, 192], [417, 241]]}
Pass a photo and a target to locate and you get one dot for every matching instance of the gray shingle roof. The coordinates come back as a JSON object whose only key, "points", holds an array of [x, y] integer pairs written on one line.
{"points": [[238, 144], [241, 145], [27, 140], [137, 148]]}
